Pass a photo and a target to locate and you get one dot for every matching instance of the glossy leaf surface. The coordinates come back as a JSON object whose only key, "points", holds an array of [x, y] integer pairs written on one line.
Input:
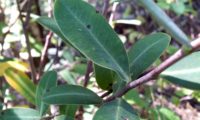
{"points": [[162, 113], [71, 94], [20, 114], [185, 72], [50, 24], [104, 77], [63, 117], [146, 51], [89, 32], [69, 110], [47, 81], [14, 63], [21, 83], [116, 110]]}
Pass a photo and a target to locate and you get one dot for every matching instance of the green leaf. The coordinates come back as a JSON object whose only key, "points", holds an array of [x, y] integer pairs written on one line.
{"points": [[71, 94], [163, 4], [67, 76], [161, 17], [133, 97], [116, 110], [47, 81], [50, 24], [118, 85], [63, 117], [146, 51], [104, 77], [178, 7], [185, 72], [89, 32], [79, 69], [162, 113], [1, 106], [20, 114], [6, 59], [21, 83], [69, 110]]}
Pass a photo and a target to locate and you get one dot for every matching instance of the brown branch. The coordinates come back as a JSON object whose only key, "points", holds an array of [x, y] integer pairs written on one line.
{"points": [[87, 74], [47, 42], [105, 7], [25, 25], [44, 53], [106, 94], [156, 71]]}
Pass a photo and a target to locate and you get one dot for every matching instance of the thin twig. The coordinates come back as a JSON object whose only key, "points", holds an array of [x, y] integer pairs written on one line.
{"points": [[155, 72], [114, 7], [56, 58], [105, 7], [44, 54], [106, 94], [46, 45], [25, 25], [87, 74]]}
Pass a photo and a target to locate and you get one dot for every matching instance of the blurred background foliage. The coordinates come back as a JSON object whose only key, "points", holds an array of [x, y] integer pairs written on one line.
{"points": [[157, 100]]}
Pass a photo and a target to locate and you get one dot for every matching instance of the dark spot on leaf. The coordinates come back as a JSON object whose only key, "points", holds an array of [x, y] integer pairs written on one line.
{"points": [[110, 84], [2, 113], [48, 90], [97, 11], [88, 26]]}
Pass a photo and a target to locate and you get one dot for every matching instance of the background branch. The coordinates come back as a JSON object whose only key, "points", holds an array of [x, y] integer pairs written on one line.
{"points": [[25, 25], [87, 74], [44, 53]]}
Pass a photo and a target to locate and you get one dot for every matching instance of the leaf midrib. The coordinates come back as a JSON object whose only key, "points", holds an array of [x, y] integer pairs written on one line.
{"points": [[136, 59], [21, 116], [22, 83], [67, 94], [103, 48], [118, 109]]}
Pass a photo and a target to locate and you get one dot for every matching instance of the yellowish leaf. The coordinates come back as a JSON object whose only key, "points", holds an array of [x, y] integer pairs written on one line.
{"points": [[21, 83]]}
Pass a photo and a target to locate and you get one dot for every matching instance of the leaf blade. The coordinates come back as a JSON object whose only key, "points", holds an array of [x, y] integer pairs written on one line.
{"points": [[104, 77], [47, 81], [50, 23], [20, 114], [99, 38], [120, 110], [185, 72], [146, 51], [71, 94], [21, 83]]}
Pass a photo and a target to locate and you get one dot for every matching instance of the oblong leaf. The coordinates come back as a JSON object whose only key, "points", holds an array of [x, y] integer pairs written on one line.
{"points": [[69, 110], [89, 32], [162, 113], [50, 23], [104, 77], [116, 110], [63, 117], [47, 81], [164, 20], [186, 72], [146, 51], [15, 63], [67, 76], [21, 83], [20, 114], [71, 94]]}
